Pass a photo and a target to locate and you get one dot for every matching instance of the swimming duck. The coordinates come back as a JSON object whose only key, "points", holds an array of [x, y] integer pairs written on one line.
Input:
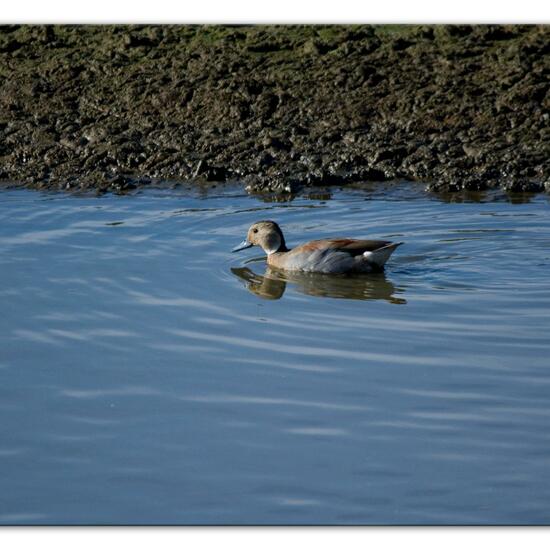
{"points": [[339, 255]]}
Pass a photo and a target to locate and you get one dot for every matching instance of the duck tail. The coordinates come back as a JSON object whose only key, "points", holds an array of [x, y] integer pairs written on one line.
{"points": [[379, 257]]}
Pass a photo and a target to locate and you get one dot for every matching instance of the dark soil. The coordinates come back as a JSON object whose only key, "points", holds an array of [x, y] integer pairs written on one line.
{"points": [[277, 107]]}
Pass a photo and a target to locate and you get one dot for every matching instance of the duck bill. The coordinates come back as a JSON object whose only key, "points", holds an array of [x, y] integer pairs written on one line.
{"points": [[242, 246]]}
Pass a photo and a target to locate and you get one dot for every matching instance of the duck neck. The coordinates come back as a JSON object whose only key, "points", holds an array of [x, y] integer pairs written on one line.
{"points": [[275, 244], [282, 247], [282, 243]]}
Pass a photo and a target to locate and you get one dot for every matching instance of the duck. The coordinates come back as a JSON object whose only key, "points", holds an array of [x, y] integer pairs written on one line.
{"points": [[338, 255]]}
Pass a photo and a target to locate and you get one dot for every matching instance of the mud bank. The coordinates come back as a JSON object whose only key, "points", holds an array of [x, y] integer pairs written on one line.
{"points": [[279, 108]]}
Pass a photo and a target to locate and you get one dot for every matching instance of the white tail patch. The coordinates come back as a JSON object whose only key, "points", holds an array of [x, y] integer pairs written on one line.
{"points": [[381, 256]]}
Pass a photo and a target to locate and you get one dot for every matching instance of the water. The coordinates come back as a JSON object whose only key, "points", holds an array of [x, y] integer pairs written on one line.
{"points": [[148, 375]]}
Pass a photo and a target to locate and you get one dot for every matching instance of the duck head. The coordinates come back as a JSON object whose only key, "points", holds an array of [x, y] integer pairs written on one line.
{"points": [[267, 235]]}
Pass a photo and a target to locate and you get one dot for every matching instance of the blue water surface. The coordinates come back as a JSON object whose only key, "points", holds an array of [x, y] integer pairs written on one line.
{"points": [[149, 376]]}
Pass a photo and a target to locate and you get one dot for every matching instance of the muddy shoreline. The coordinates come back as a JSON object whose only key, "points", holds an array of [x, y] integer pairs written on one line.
{"points": [[279, 108]]}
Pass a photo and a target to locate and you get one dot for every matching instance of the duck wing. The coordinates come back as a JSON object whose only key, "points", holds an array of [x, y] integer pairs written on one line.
{"points": [[354, 247], [338, 255]]}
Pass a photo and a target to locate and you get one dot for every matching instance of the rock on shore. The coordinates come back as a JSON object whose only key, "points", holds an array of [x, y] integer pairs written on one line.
{"points": [[276, 107]]}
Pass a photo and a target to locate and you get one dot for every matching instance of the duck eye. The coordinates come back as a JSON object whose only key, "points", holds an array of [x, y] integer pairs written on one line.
{"points": [[255, 230]]}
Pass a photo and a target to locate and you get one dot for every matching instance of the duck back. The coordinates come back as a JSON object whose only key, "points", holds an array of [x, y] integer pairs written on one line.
{"points": [[335, 256]]}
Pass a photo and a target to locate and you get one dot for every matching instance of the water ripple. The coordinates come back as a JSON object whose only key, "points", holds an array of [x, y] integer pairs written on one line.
{"points": [[147, 379]]}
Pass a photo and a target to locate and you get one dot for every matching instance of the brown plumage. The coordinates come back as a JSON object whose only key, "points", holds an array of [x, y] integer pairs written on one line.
{"points": [[353, 246]]}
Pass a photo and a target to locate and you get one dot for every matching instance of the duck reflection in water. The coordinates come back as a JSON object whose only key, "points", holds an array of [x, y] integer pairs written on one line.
{"points": [[272, 285]]}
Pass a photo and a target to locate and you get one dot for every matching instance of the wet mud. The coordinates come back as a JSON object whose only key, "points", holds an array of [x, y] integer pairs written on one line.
{"points": [[278, 108]]}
